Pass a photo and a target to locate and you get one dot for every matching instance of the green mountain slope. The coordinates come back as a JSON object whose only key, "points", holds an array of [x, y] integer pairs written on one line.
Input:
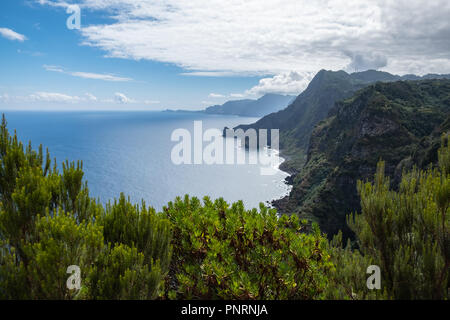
{"points": [[399, 122], [297, 121]]}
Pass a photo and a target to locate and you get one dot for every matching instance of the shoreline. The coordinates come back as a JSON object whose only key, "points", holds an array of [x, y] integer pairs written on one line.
{"points": [[274, 202]]}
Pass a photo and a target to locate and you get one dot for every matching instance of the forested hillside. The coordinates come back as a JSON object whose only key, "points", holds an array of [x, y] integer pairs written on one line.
{"points": [[398, 122], [297, 121]]}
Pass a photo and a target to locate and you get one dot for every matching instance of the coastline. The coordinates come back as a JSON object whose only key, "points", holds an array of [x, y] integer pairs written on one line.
{"points": [[277, 203]]}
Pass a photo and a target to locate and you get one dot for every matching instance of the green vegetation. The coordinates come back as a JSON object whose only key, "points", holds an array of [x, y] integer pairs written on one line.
{"points": [[296, 122], [405, 232], [48, 222], [342, 124], [213, 250], [230, 253], [399, 122]]}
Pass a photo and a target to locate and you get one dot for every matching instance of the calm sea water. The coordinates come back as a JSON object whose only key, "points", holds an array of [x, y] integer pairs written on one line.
{"points": [[130, 152]]}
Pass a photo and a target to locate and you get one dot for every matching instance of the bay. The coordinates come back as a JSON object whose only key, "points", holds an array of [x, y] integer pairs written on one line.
{"points": [[130, 152]]}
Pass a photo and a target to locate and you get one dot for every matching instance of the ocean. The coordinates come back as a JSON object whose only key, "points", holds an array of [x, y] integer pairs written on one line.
{"points": [[130, 152]]}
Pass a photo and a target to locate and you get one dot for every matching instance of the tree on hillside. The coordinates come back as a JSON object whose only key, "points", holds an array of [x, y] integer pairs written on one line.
{"points": [[405, 232]]}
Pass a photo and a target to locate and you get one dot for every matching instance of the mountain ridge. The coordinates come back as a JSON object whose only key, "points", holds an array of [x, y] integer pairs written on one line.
{"points": [[297, 121], [399, 122], [266, 104]]}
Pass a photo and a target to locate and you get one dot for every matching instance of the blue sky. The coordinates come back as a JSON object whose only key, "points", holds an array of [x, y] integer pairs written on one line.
{"points": [[155, 54], [154, 85]]}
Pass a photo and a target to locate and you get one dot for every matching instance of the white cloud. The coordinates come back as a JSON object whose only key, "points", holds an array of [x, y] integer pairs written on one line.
{"points": [[284, 83], [54, 97], [121, 98], [97, 76], [91, 97], [215, 73], [87, 75], [12, 35], [216, 95], [237, 95], [53, 68], [220, 38], [361, 61], [4, 97], [54, 3]]}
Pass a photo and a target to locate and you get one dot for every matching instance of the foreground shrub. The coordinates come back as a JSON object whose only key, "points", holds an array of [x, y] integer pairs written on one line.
{"points": [[227, 252], [405, 232], [48, 222]]}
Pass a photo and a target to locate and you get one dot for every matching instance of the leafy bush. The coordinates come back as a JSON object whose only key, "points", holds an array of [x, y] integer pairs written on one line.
{"points": [[120, 272], [223, 252]]}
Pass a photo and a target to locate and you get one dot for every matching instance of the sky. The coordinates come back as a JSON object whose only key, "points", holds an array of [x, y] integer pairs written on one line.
{"points": [[190, 54]]}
